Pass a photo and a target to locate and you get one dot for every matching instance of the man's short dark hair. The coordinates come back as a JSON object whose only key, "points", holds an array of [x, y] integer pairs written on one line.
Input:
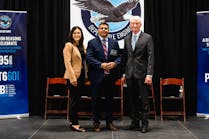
{"points": [[104, 23]]}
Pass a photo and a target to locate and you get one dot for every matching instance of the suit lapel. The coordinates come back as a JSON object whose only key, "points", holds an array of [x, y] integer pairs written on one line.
{"points": [[139, 41], [129, 44], [101, 47], [77, 51], [109, 47]]}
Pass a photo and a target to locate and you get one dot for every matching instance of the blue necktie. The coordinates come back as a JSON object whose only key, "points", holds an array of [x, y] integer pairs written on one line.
{"points": [[133, 43]]}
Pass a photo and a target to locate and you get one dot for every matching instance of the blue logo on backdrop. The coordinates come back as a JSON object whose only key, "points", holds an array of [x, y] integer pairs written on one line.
{"points": [[116, 13], [5, 22]]}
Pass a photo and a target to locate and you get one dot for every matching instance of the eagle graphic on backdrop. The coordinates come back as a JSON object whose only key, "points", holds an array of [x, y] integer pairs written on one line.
{"points": [[5, 23], [108, 12]]}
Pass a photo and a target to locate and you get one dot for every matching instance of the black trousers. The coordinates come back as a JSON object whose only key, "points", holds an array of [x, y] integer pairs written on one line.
{"points": [[75, 99], [75, 95], [106, 89], [138, 100]]}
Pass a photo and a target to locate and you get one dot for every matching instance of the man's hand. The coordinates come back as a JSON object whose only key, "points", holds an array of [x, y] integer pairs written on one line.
{"points": [[108, 66], [104, 66], [111, 65], [148, 80], [123, 80]]}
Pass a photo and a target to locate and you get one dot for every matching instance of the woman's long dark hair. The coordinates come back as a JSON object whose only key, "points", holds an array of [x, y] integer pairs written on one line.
{"points": [[70, 38]]}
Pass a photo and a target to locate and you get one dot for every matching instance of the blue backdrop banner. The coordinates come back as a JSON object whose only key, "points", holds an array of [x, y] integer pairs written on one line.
{"points": [[13, 64], [203, 63]]}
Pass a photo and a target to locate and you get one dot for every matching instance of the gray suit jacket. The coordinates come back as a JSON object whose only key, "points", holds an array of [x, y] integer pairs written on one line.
{"points": [[139, 62]]}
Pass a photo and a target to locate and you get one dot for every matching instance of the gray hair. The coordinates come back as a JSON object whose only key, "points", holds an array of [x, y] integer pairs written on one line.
{"points": [[138, 18]]}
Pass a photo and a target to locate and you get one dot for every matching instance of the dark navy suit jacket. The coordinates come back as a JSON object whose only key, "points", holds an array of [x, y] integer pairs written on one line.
{"points": [[95, 56]]}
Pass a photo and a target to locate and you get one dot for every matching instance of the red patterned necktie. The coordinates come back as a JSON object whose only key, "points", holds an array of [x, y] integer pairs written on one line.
{"points": [[105, 53], [104, 47]]}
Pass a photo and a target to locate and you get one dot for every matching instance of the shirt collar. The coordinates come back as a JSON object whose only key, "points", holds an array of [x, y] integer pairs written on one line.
{"points": [[138, 34], [103, 38]]}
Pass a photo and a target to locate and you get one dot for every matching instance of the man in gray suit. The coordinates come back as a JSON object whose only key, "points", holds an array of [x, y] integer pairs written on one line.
{"points": [[138, 63]]}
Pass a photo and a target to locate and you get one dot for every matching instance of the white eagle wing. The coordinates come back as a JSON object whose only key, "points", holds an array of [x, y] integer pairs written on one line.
{"points": [[126, 6]]}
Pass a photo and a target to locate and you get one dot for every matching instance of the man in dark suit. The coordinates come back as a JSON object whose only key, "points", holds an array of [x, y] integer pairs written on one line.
{"points": [[138, 63], [103, 60]]}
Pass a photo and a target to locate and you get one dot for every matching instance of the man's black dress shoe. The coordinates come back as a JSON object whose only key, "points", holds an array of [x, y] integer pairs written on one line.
{"points": [[111, 127], [133, 127], [144, 129], [96, 126]]}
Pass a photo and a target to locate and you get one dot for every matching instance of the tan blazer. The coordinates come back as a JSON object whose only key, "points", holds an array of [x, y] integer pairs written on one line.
{"points": [[73, 62]]}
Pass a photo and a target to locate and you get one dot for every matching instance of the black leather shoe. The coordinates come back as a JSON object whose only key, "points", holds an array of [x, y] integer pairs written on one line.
{"points": [[133, 127], [144, 129], [96, 126], [111, 127]]}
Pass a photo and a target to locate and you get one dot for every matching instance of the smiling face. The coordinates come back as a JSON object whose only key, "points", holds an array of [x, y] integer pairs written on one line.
{"points": [[135, 24], [103, 30], [77, 35]]}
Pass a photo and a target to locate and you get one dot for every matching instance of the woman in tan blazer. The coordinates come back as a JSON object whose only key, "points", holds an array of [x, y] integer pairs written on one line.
{"points": [[74, 56]]}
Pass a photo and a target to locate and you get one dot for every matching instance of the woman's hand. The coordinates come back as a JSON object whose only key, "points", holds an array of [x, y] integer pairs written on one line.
{"points": [[74, 83]]}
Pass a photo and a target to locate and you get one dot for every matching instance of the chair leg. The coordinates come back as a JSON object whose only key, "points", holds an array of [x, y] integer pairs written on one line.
{"points": [[184, 117], [45, 114], [154, 108], [155, 116], [121, 101], [161, 115]]}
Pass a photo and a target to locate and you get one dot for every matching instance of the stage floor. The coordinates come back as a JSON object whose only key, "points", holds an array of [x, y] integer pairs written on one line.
{"points": [[36, 127]]}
